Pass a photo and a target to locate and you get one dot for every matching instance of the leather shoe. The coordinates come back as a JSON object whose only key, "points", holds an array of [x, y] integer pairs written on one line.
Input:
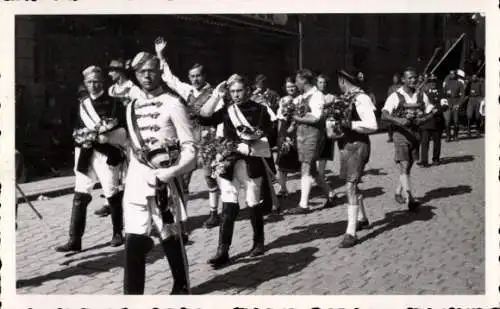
{"points": [[348, 241]]}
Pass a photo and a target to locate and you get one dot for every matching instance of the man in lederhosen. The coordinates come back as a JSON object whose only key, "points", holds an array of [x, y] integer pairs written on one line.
{"points": [[354, 149], [162, 149], [310, 139], [99, 161], [407, 109], [476, 94], [195, 95], [122, 89], [249, 125]]}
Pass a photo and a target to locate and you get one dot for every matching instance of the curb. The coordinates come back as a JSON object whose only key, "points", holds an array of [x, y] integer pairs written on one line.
{"points": [[50, 193]]}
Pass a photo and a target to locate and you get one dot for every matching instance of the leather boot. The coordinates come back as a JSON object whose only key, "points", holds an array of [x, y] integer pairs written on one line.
{"points": [[77, 224], [115, 204], [257, 221], [213, 220], [229, 213], [136, 248], [173, 252]]}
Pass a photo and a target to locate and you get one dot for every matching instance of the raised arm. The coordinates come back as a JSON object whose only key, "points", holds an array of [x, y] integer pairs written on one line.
{"points": [[183, 89], [208, 109]]}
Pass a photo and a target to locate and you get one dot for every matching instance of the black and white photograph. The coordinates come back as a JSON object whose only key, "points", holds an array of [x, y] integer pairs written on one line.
{"points": [[250, 154]]}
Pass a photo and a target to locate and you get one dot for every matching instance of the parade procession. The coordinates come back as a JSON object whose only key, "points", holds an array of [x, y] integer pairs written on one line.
{"points": [[148, 135]]}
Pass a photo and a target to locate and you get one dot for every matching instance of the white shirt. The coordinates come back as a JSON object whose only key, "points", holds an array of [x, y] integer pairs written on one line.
{"points": [[316, 102], [127, 90], [183, 89], [365, 109], [392, 101]]}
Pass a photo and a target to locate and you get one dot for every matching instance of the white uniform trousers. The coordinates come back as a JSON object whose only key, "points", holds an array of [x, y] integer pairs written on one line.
{"points": [[140, 218], [229, 189], [98, 171]]}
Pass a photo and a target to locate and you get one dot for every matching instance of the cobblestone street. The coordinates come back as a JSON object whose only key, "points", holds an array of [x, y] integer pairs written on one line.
{"points": [[440, 250]]}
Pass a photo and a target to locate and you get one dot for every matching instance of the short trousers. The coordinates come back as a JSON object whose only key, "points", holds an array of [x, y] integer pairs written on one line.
{"points": [[405, 149], [353, 158]]}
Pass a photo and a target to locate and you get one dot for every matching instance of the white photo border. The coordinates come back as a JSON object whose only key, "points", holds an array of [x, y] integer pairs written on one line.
{"points": [[8, 10]]}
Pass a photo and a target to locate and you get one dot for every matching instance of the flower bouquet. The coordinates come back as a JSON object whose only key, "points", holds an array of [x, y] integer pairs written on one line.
{"points": [[302, 108], [86, 137], [336, 112], [288, 109], [215, 153]]}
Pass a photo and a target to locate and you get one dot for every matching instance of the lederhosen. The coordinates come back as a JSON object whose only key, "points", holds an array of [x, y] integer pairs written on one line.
{"points": [[310, 138], [355, 150], [407, 139]]}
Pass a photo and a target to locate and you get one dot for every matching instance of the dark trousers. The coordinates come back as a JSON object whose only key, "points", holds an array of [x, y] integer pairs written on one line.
{"points": [[390, 132], [451, 119], [426, 137]]}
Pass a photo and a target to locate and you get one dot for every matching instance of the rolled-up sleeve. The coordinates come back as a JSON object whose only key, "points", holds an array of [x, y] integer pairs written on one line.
{"points": [[316, 104], [183, 89], [365, 109], [391, 103]]}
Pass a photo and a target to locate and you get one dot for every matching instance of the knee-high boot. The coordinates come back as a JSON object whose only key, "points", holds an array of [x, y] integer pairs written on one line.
{"points": [[116, 206], [257, 221], [174, 254], [77, 224], [229, 213], [136, 248]]}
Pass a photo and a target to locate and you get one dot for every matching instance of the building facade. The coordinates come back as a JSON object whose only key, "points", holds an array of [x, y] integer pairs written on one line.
{"points": [[51, 52]]}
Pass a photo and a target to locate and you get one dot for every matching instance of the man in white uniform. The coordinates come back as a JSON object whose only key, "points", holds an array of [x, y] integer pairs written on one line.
{"points": [[157, 124], [99, 161], [195, 95]]}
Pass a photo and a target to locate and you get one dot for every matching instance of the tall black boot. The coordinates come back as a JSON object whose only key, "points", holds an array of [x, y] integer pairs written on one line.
{"points": [[136, 248], [229, 213], [115, 204], [77, 224], [173, 252], [257, 221]]}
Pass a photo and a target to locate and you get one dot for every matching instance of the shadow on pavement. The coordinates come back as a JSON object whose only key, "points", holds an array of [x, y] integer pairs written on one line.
{"points": [[105, 262], [458, 159], [375, 172], [445, 192], [306, 234], [397, 219], [268, 267]]}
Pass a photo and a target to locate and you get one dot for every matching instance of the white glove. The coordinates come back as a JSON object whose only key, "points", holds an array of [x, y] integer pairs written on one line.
{"points": [[243, 148]]}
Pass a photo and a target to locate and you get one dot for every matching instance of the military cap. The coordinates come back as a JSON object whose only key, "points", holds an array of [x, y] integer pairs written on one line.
{"points": [[140, 59], [92, 70], [116, 64]]}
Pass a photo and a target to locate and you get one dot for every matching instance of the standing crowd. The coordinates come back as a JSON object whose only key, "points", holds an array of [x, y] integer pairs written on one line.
{"points": [[142, 140]]}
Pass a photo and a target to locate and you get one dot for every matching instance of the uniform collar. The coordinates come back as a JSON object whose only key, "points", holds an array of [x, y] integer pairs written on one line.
{"points": [[152, 94], [95, 97]]}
